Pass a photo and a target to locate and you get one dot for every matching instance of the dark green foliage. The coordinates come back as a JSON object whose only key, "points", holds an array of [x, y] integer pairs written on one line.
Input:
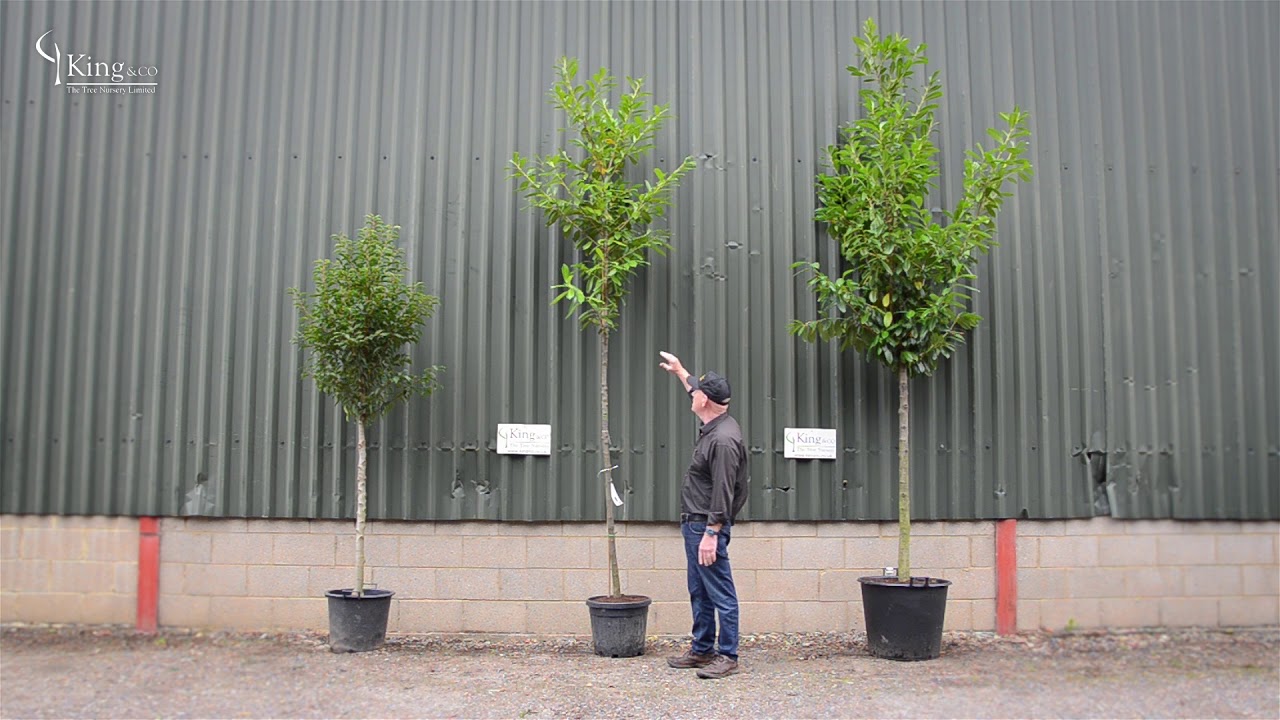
{"points": [[360, 320], [902, 298]]}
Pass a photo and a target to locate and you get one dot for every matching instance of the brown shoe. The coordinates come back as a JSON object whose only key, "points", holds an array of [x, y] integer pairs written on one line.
{"points": [[690, 659], [722, 666]]}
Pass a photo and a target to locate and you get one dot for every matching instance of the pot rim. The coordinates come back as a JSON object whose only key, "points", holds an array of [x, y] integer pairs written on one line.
{"points": [[916, 581], [602, 601], [369, 594]]}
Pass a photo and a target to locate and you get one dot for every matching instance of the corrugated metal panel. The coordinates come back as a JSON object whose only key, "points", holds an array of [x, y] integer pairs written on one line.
{"points": [[1189, 304], [149, 240]]}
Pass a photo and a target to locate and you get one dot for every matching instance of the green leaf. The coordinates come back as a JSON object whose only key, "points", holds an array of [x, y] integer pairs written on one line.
{"points": [[968, 320]]}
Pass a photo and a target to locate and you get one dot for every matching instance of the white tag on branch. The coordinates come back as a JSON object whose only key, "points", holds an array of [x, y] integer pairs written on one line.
{"points": [[617, 499]]}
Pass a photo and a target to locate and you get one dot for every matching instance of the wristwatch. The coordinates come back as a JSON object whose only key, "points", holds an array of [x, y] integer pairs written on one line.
{"points": [[711, 532]]}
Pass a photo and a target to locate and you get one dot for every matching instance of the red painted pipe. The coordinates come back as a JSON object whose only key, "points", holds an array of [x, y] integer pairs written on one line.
{"points": [[148, 573], [1007, 577]]}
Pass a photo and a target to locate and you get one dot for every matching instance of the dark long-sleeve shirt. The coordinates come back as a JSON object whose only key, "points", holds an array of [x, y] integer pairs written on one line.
{"points": [[716, 483]]}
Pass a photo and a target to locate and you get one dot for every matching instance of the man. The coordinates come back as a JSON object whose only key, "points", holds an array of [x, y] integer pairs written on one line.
{"points": [[714, 490]]}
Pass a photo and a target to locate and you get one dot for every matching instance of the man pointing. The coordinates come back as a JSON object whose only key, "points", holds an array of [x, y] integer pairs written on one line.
{"points": [[714, 490]]}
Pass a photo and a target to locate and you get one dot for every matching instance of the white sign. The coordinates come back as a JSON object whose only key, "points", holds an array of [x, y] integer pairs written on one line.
{"points": [[809, 443], [514, 439]]}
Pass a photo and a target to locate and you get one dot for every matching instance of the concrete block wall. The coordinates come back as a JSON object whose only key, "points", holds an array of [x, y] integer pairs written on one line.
{"points": [[534, 577], [1118, 573], [68, 569]]}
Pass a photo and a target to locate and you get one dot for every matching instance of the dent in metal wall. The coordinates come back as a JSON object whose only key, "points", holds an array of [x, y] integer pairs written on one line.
{"points": [[1126, 363]]}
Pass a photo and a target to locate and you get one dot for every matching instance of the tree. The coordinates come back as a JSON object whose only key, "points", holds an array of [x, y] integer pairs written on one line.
{"points": [[901, 298], [356, 325], [609, 219]]}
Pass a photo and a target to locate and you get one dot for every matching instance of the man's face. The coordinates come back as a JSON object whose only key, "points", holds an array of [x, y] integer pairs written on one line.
{"points": [[698, 400]]}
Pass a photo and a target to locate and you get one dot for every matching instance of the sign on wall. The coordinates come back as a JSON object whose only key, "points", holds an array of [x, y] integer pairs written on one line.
{"points": [[517, 439], [809, 443]]}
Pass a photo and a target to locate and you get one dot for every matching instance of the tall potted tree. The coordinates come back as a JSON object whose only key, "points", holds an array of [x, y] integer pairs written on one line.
{"points": [[901, 297], [356, 325], [585, 192]]}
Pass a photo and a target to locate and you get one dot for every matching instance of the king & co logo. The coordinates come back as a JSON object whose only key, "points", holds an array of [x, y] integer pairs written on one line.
{"points": [[85, 74]]}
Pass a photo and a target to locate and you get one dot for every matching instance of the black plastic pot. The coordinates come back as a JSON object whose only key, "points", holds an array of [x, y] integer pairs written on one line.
{"points": [[618, 624], [358, 624], [904, 619]]}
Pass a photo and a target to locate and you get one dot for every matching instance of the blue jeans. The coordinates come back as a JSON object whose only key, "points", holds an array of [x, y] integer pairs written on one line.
{"points": [[711, 591]]}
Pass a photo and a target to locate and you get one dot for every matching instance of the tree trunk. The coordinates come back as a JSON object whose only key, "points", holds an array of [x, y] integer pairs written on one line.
{"points": [[904, 478], [362, 504], [615, 585]]}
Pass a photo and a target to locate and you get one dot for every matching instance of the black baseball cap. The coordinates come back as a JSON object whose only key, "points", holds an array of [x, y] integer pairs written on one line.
{"points": [[713, 385]]}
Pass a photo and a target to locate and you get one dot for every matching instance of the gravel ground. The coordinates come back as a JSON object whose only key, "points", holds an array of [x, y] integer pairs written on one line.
{"points": [[79, 672]]}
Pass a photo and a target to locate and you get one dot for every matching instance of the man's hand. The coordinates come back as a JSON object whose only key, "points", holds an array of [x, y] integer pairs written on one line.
{"points": [[672, 365], [707, 550]]}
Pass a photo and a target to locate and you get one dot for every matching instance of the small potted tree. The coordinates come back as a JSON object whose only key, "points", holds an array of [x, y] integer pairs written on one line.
{"points": [[356, 325], [901, 296], [609, 220]]}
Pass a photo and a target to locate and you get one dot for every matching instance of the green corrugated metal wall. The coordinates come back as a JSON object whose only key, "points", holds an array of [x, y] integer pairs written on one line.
{"points": [[1128, 362]]}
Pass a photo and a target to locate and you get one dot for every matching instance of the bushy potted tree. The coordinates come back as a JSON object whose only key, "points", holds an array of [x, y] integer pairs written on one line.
{"points": [[356, 326], [900, 297], [585, 192]]}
